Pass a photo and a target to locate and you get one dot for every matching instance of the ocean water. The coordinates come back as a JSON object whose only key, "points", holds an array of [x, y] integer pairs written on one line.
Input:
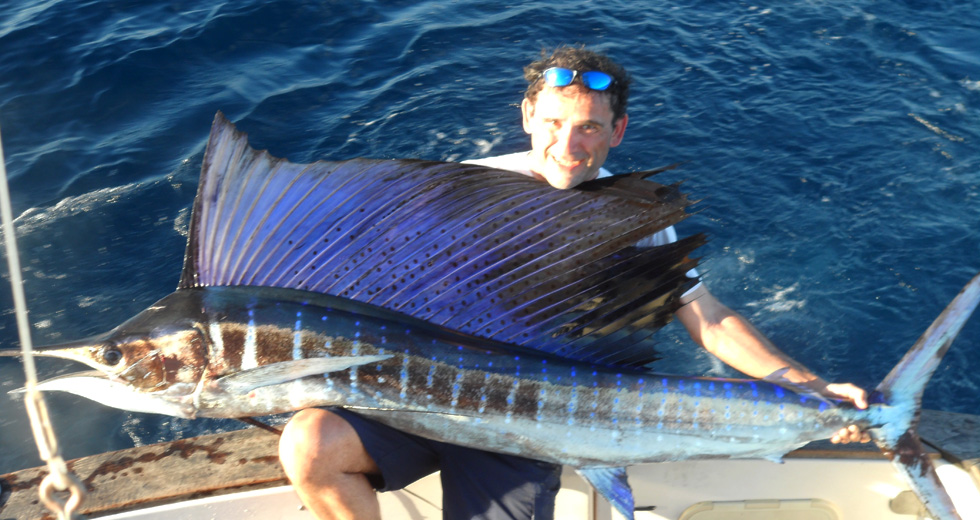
{"points": [[834, 147]]}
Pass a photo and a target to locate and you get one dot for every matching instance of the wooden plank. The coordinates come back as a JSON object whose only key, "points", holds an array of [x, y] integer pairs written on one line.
{"points": [[160, 473], [956, 433]]}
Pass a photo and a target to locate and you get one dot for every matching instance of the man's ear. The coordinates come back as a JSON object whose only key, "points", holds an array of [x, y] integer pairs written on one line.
{"points": [[527, 112], [619, 129]]}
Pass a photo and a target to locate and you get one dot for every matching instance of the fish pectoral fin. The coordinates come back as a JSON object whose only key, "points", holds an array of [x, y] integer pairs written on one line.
{"points": [[285, 371], [612, 484]]}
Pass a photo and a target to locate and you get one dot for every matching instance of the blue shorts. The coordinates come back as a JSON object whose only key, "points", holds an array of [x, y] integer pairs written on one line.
{"points": [[475, 484]]}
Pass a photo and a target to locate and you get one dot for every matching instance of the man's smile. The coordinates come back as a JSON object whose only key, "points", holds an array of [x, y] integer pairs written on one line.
{"points": [[567, 163]]}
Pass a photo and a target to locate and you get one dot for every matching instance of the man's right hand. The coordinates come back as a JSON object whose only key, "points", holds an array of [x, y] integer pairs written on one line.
{"points": [[859, 397]]}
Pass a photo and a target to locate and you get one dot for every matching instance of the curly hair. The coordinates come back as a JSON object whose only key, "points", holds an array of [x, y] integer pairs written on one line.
{"points": [[581, 59]]}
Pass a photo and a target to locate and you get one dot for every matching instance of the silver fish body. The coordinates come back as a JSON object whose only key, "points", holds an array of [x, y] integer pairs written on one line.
{"points": [[249, 351], [454, 387]]}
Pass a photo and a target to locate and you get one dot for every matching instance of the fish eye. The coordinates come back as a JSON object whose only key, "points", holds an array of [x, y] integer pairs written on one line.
{"points": [[111, 355]]}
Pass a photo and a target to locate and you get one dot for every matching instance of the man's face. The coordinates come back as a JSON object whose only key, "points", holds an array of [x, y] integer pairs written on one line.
{"points": [[571, 131]]}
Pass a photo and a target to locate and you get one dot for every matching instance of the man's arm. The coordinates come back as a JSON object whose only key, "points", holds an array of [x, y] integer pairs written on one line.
{"points": [[735, 341]]}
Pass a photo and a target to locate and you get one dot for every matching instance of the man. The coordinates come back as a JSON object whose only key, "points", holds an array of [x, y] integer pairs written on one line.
{"points": [[575, 111]]}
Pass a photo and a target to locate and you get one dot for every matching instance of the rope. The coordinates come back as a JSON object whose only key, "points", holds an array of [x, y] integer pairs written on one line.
{"points": [[59, 477]]}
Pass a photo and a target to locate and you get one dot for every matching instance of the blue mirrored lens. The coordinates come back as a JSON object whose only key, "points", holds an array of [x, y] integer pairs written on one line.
{"points": [[596, 80], [559, 77]]}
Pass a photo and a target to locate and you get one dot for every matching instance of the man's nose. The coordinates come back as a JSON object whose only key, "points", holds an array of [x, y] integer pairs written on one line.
{"points": [[565, 139]]}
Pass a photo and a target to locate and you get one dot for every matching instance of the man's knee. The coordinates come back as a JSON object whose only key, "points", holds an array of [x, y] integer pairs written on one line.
{"points": [[308, 440]]}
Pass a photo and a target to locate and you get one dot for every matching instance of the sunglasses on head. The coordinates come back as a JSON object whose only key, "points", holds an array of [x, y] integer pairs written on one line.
{"points": [[561, 77]]}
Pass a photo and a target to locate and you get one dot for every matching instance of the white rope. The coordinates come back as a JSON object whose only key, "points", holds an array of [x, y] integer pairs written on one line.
{"points": [[47, 444]]}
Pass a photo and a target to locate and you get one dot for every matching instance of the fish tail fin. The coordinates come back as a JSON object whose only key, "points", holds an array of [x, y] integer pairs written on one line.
{"points": [[901, 392]]}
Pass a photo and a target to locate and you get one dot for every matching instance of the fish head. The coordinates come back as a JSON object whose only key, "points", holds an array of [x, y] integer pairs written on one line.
{"points": [[163, 347]]}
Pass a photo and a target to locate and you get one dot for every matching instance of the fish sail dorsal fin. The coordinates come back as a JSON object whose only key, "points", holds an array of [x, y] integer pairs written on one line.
{"points": [[482, 251]]}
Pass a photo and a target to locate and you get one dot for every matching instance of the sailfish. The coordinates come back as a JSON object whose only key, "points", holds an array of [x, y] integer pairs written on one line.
{"points": [[468, 305]]}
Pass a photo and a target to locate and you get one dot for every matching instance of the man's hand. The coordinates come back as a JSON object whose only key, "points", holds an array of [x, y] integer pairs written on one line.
{"points": [[850, 434], [859, 397]]}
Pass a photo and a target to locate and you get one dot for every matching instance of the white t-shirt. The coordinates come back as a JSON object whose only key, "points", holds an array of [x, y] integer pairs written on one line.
{"points": [[519, 162]]}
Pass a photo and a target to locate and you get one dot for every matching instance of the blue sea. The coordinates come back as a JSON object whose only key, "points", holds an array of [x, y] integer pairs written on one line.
{"points": [[834, 146]]}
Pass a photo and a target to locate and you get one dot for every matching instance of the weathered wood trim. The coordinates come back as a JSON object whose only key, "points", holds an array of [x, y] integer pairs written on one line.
{"points": [[157, 474]]}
